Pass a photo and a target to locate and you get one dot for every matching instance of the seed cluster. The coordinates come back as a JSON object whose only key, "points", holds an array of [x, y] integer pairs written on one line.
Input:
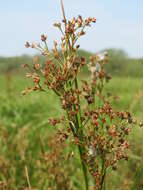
{"points": [[99, 131]]}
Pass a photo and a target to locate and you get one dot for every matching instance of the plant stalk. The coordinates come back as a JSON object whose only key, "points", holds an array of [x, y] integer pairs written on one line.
{"points": [[84, 169]]}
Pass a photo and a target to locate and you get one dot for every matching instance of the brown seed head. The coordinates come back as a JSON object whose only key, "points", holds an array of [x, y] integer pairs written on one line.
{"points": [[27, 44], [43, 38]]}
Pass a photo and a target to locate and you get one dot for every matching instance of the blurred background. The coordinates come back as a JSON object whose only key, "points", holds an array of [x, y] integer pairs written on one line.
{"points": [[24, 129]]}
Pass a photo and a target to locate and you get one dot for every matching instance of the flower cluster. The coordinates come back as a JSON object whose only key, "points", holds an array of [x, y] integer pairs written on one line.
{"points": [[98, 130]]}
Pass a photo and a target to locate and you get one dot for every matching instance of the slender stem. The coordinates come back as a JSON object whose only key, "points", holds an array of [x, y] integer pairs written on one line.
{"points": [[103, 172], [71, 127], [84, 169], [27, 177], [78, 123], [102, 180], [63, 11], [79, 113]]}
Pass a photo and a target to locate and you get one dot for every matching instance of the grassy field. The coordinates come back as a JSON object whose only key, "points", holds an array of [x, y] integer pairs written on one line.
{"points": [[25, 135]]}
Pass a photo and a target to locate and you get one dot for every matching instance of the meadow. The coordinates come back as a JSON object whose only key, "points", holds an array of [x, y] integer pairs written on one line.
{"points": [[26, 137]]}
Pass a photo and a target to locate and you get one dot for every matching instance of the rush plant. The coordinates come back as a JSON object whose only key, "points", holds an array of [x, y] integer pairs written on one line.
{"points": [[89, 119]]}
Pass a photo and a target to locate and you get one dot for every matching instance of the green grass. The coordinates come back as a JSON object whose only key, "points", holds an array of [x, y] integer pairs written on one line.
{"points": [[130, 92], [25, 131]]}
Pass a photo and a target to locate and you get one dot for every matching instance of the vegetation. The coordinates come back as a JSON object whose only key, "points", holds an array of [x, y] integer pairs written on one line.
{"points": [[119, 64], [24, 123], [74, 121]]}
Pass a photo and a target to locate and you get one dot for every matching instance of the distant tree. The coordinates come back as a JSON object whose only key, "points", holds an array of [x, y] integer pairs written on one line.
{"points": [[117, 61]]}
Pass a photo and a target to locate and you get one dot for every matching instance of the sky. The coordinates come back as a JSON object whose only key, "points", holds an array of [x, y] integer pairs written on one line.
{"points": [[119, 24]]}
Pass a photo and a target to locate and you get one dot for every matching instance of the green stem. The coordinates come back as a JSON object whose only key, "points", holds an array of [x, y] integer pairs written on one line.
{"points": [[79, 113], [102, 180], [103, 172], [84, 169], [71, 127]]}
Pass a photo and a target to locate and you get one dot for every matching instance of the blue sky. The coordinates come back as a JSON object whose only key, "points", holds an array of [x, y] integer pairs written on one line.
{"points": [[119, 24]]}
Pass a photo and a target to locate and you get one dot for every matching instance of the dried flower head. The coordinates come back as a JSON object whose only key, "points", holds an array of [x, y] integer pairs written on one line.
{"points": [[98, 130]]}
